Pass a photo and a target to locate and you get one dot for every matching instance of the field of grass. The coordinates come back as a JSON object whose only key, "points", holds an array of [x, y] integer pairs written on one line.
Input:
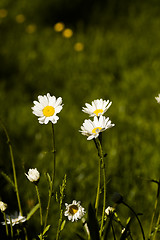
{"points": [[119, 61]]}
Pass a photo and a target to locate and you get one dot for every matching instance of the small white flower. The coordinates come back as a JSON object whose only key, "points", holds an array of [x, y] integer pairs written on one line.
{"points": [[93, 128], [97, 108], [33, 175], [47, 108], [74, 211], [14, 219], [3, 206], [109, 210], [158, 98]]}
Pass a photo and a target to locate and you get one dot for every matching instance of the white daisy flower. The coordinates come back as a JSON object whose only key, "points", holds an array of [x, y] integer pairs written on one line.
{"points": [[14, 219], [33, 175], [3, 206], [109, 210], [91, 129], [47, 108], [74, 211], [97, 108], [158, 98]]}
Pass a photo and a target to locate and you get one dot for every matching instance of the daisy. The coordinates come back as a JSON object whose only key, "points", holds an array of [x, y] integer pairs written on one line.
{"points": [[3, 206], [109, 210], [91, 129], [33, 175], [158, 98], [47, 108], [74, 211], [97, 108], [15, 219]]}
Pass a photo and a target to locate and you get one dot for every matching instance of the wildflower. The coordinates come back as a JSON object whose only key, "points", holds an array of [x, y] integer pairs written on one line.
{"points": [[92, 128], [67, 33], [3, 206], [20, 18], [59, 26], [31, 28], [33, 175], [3, 13], [97, 108], [109, 210], [158, 98], [14, 219], [78, 46], [74, 211], [47, 108]]}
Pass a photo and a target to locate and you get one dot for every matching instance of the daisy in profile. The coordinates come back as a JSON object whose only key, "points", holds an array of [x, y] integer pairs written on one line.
{"points": [[74, 211], [47, 108], [15, 219], [97, 107], [91, 129], [158, 98], [33, 175], [3, 206]]}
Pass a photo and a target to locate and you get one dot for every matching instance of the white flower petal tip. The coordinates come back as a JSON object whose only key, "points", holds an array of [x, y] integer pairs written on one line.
{"points": [[33, 175], [109, 210], [92, 129], [97, 107], [46, 108], [74, 211], [158, 98]]}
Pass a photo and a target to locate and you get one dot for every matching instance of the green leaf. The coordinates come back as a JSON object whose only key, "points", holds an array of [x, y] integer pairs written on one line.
{"points": [[93, 223], [8, 179], [46, 229], [62, 225], [33, 210]]}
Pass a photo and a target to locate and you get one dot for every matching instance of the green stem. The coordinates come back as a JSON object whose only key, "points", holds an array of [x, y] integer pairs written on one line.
{"points": [[137, 218], [11, 227], [40, 206], [104, 185], [156, 229], [53, 176], [98, 188], [14, 170], [4, 215]]}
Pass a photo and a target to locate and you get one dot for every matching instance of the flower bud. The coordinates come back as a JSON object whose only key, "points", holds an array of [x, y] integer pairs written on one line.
{"points": [[33, 175]]}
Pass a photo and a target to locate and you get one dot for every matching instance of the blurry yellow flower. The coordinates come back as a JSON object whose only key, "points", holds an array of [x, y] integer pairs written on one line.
{"points": [[78, 46], [67, 33], [31, 28], [3, 13], [58, 27], [20, 18]]}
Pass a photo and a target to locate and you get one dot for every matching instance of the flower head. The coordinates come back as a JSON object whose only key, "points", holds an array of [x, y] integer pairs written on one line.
{"points": [[74, 211], [97, 108], [109, 210], [15, 219], [47, 108], [92, 128], [33, 175], [158, 98], [3, 206]]}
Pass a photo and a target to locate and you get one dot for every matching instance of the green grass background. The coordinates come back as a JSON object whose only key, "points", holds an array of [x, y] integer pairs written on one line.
{"points": [[120, 62]]}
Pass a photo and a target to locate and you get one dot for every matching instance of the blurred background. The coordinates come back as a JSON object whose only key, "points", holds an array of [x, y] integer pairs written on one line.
{"points": [[100, 49]]}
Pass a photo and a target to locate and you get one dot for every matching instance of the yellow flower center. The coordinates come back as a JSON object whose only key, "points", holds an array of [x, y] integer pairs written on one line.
{"points": [[48, 111], [96, 130], [97, 111], [73, 209]]}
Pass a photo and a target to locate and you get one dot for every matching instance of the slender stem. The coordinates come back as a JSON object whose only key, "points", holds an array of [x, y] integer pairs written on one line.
{"points": [[11, 226], [98, 188], [59, 224], [104, 184], [14, 170], [40, 206], [4, 215], [53, 176], [137, 219]]}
